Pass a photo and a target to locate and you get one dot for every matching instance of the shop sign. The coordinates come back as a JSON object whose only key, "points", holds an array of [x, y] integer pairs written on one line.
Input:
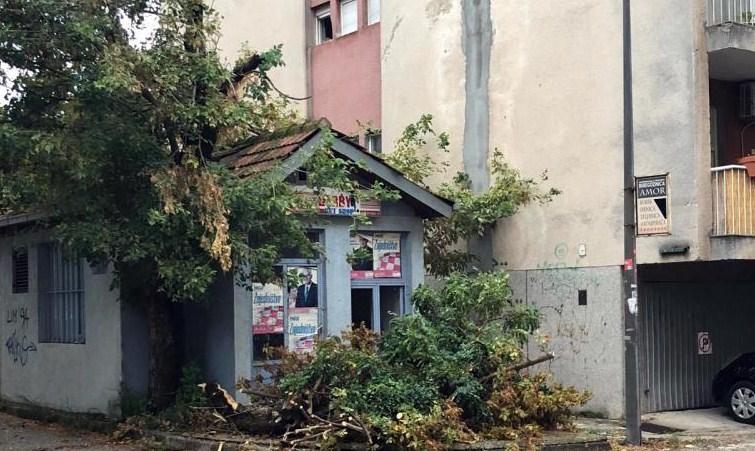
{"points": [[346, 204], [267, 309], [652, 205], [376, 256]]}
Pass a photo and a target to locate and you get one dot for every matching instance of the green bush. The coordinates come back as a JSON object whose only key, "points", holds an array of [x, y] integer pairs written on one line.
{"points": [[441, 375]]}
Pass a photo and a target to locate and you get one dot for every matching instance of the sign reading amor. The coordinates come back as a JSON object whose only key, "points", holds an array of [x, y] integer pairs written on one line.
{"points": [[652, 205]]}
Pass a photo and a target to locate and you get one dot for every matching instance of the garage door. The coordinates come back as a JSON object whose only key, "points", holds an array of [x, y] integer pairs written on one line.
{"points": [[687, 333]]}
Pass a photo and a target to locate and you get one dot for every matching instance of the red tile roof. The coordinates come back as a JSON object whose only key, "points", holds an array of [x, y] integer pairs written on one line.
{"points": [[265, 152]]}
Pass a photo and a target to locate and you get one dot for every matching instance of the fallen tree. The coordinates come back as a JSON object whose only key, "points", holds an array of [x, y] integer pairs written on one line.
{"points": [[452, 372]]}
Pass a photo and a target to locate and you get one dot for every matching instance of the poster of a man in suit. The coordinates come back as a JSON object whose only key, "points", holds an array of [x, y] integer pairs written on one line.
{"points": [[306, 292]]}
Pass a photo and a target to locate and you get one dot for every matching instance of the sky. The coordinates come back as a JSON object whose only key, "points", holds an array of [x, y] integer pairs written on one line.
{"points": [[141, 38]]}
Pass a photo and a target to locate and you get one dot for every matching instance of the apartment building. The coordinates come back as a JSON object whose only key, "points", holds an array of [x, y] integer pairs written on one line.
{"points": [[543, 83]]}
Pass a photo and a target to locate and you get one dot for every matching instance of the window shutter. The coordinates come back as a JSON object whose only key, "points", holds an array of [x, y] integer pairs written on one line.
{"points": [[373, 11], [21, 270], [348, 16]]}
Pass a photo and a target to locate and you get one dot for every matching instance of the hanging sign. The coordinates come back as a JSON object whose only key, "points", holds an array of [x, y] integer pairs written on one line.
{"points": [[267, 309], [652, 205]]}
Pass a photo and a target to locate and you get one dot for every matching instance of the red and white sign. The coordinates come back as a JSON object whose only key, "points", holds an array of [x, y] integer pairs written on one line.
{"points": [[376, 256], [267, 309], [344, 204]]}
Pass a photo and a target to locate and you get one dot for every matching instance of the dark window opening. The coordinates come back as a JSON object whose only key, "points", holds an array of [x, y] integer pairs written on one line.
{"points": [[314, 238], [374, 142], [361, 307], [390, 306], [267, 346], [324, 25]]}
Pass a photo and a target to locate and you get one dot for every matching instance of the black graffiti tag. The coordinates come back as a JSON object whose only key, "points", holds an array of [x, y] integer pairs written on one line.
{"points": [[17, 315], [19, 349]]}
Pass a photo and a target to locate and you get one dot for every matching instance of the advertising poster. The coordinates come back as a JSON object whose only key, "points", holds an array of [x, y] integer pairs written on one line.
{"points": [[652, 205], [303, 328], [267, 309], [376, 256]]}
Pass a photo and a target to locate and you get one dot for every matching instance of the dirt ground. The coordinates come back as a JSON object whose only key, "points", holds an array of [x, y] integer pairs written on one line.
{"points": [[17, 434]]}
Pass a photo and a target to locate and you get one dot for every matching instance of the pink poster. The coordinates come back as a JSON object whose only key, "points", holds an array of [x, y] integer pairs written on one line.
{"points": [[267, 309]]}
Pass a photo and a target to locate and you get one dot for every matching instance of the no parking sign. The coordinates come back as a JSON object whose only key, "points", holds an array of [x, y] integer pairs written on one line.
{"points": [[704, 343]]}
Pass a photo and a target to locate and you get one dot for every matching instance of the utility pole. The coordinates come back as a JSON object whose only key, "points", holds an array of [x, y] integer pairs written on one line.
{"points": [[629, 294]]}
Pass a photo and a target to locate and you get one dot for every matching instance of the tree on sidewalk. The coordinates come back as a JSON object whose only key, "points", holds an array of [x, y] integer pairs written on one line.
{"points": [[113, 141]]}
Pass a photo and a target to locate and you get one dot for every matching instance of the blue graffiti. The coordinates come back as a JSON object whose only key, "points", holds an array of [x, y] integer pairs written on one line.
{"points": [[19, 349]]}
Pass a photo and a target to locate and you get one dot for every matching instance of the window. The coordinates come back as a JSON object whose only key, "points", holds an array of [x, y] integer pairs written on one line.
{"points": [[374, 142], [20, 270], [373, 11], [348, 16], [61, 296], [323, 25], [286, 312]]}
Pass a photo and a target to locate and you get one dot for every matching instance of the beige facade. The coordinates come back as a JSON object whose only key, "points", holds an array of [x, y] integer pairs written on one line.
{"points": [[257, 25], [551, 100]]}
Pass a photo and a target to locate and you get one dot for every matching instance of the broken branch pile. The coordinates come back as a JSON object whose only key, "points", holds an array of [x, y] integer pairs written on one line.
{"points": [[452, 372]]}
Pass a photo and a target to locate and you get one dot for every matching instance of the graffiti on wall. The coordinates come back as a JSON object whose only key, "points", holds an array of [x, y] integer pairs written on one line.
{"points": [[18, 345]]}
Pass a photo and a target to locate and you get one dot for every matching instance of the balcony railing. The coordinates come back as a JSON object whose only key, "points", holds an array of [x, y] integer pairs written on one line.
{"points": [[731, 11], [733, 201]]}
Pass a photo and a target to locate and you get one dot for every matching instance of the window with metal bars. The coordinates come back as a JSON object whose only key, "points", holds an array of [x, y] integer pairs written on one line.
{"points": [[20, 270], [61, 296]]}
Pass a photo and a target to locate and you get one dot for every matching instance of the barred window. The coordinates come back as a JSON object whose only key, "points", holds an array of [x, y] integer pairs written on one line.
{"points": [[61, 296], [20, 270]]}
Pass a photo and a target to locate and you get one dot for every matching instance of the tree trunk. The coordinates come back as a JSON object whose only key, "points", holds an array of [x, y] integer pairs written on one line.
{"points": [[164, 365]]}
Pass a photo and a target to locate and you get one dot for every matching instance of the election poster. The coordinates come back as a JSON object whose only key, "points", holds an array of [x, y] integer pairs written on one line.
{"points": [[267, 309], [303, 291], [303, 328], [376, 255]]}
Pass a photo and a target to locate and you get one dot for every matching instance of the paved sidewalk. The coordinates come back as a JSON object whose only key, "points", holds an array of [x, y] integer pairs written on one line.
{"points": [[690, 430], [17, 434]]}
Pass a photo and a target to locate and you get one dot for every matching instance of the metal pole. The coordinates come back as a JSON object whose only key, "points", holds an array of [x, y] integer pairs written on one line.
{"points": [[629, 295]]}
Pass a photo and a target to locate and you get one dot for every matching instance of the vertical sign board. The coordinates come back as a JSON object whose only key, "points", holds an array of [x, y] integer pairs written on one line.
{"points": [[267, 309], [704, 344], [652, 205]]}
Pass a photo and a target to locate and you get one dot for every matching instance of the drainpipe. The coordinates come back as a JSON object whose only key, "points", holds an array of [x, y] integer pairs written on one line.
{"points": [[629, 273]]}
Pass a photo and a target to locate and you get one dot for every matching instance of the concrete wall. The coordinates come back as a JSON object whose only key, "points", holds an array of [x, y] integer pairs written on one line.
{"points": [[672, 120], [423, 71], [73, 377], [587, 339], [258, 25]]}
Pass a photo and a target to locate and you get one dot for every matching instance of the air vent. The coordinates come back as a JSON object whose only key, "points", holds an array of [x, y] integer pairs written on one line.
{"points": [[20, 270]]}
